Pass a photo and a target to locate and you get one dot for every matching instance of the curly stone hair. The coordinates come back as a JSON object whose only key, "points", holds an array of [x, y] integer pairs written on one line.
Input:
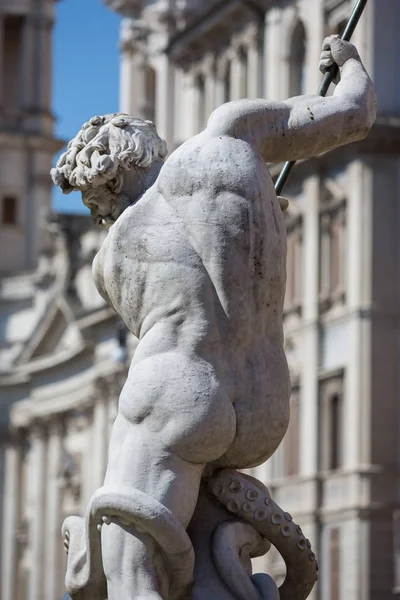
{"points": [[106, 148]]}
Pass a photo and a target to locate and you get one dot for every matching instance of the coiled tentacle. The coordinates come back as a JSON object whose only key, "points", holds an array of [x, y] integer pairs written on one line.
{"points": [[243, 497], [85, 578]]}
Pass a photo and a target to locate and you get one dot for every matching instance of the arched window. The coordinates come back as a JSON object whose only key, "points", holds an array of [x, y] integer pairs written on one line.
{"points": [[297, 61]]}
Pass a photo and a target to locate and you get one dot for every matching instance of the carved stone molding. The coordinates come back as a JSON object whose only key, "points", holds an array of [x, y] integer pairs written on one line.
{"points": [[127, 8], [134, 34]]}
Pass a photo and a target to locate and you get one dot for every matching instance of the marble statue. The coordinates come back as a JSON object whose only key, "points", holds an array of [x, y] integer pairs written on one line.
{"points": [[194, 263]]}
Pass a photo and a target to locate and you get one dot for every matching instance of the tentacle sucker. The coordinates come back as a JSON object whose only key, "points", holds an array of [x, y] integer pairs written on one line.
{"points": [[250, 502]]}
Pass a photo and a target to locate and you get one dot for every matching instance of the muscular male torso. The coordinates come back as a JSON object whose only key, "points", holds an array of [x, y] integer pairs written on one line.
{"points": [[196, 268]]}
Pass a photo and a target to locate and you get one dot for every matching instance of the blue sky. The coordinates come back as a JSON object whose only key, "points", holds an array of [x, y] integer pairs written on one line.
{"points": [[85, 74]]}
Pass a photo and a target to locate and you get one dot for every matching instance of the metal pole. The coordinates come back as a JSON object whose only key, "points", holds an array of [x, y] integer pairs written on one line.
{"points": [[323, 89]]}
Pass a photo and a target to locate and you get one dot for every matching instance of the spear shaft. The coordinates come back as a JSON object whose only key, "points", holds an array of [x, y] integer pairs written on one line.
{"points": [[323, 88]]}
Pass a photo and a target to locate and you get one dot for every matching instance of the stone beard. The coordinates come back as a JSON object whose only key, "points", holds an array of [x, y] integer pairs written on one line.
{"points": [[194, 263]]}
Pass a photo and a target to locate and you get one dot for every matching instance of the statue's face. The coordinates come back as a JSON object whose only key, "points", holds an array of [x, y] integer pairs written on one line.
{"points": [[98, 200]]}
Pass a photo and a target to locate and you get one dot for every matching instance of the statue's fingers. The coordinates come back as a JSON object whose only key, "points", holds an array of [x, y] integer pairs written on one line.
{"points": [[328, 41], [326, 54], [325, 64]]}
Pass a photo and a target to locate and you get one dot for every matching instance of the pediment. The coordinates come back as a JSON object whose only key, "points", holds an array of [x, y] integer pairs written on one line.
{"points": [[56, 331]]}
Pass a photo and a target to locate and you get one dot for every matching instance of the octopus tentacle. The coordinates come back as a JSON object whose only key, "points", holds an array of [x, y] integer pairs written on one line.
{"points": [[231, 540], [243, 497], [85, 578]]}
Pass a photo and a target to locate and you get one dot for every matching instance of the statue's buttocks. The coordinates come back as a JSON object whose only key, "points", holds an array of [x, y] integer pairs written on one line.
{"points": [[199, 278]]}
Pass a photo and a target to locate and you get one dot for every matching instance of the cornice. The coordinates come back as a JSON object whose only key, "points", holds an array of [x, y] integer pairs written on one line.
{"points": [[126, 8]]}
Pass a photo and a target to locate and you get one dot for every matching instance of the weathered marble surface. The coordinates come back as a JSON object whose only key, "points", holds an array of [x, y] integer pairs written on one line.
{"points": [[194, 263]]}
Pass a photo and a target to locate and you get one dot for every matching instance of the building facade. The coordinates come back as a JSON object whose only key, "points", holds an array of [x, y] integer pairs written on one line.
{"points": [[62, 351], [337, 469]]}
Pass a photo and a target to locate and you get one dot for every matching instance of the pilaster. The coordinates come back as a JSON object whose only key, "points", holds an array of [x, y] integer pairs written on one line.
{"points": [[309, 378], [210, 84], [133, 68], [357, 391], [11, 510], [165, 99], [37, 490], [255, 76], [273, 81], [53, 547]]}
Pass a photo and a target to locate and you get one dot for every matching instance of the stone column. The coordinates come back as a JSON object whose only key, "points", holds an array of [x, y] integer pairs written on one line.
{"points": [[28, 58], [37, 482], [43, 75], [210, 80], [313, 47], [273, 59], [133, 69], [165, 99], [220, 71], [53, 546], [189, 113], [255, 76], [10, 517], [358, 390], [236, 73], [309, 390]]}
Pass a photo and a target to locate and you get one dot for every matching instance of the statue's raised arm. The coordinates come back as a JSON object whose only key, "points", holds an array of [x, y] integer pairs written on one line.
{"points": [[305, 126]]}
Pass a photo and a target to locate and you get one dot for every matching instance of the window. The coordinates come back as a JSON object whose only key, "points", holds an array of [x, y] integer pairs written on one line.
{"points": [[334, 553], [294, 264], [331, 423], [12, 62], [292, 437], [297, 61], [332, 267], [294, 259], [9, 210]]}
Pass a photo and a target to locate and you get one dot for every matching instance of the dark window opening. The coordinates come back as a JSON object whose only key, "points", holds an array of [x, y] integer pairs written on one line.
{"points": [[12, 62], [9, 210], [335, 429]]}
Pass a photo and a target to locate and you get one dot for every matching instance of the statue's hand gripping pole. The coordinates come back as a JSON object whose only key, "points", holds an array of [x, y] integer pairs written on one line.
{"points": [[329, 76]]}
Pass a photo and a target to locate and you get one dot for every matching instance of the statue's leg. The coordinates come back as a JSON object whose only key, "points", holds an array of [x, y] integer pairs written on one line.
{"points": [[135, 557], [162, 438]]}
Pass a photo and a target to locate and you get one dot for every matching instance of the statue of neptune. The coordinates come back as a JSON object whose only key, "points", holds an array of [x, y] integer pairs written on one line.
{"points": [[194, 263]]}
